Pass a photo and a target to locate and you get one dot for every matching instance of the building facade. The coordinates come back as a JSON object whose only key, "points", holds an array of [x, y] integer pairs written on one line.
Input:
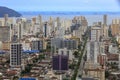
{"points": [[37, 45], [57, 62], [4, 33], [15, 54], [64, 43], [92, 51], [115, 27], [66, 52], [95, 34]]}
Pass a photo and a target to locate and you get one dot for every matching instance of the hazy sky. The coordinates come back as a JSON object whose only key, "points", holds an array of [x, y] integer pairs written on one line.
{"points": [[62, 5]]}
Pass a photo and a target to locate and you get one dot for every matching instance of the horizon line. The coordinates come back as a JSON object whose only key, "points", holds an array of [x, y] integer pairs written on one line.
{"points": [[70, 11]]}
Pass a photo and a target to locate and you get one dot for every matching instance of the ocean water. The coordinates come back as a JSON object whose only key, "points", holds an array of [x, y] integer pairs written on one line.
{"points": [[90, 16]]}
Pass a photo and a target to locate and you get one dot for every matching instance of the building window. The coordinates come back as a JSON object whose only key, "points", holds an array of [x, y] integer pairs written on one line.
{"points": [[62, 52], [68, 53]]}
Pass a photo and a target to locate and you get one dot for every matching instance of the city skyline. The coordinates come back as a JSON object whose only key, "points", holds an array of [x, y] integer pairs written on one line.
{"points": [[38, 46], [62, 5], [60, 40]]}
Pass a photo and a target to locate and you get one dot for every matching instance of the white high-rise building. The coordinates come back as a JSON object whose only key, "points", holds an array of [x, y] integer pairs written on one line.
{"points": [[60, 33], [15, 54], [92, 51], [95, 33]]}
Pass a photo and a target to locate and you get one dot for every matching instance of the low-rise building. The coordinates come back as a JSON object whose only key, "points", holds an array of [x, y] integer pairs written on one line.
{"points": [[6, 46], [94, 70]]}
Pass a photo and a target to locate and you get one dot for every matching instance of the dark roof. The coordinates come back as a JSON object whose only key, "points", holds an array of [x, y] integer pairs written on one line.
{"points": [[31, 51], [113, 57]]}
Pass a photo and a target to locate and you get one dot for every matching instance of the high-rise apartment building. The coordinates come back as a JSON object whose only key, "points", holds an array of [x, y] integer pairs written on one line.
{"points": [[95, 34], [6, 19], [115, 27], [104, 28], [78, 22], [58, 22], [51, 27], [15, 54], [64, 43], [92, 51], [45, 29], [37, 45], [60, 62], [83, 21], [40, 21], [4, 33], [104, 19]]}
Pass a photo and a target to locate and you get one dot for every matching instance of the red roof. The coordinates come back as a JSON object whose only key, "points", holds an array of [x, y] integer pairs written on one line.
{"points": [[13, 72], [113, 57]]}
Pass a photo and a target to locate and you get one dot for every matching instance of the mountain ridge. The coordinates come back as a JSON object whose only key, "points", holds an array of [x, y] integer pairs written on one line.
{"points": [[10, 12]]}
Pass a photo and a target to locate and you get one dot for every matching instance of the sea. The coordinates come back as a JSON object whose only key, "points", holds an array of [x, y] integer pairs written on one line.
{"points": [[90, 16]]}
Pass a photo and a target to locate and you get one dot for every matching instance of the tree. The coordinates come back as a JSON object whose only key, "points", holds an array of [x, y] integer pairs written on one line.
{"points": [[27, 69], [79, 76], [72, 66], [15, 78], [81, 52], [107, 74], [76, 54], [8, 61], [37, 34], [109, 33], [114, 78], [48, 47], [41, 56], [79, 46], [65, 79]]}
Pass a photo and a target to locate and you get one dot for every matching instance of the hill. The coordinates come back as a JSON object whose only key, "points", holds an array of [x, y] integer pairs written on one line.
{"points": [[10, 12]]}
